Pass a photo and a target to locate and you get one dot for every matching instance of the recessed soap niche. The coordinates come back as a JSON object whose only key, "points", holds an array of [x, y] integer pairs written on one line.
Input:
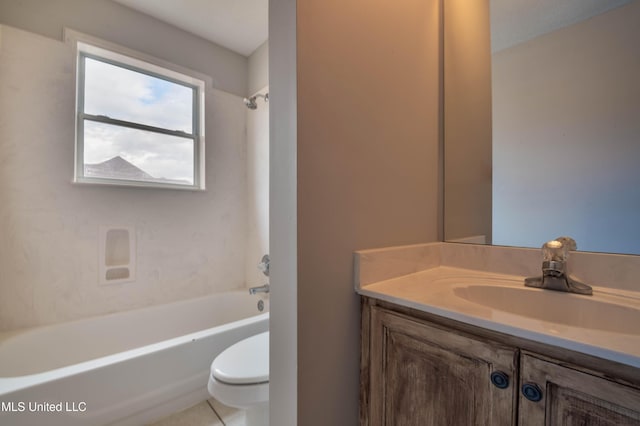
{"points": [[117, 254]]}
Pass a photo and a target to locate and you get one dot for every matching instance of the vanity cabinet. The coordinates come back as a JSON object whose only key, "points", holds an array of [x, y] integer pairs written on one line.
{"points": [[558, 395], [422, 375], [418, 370]]}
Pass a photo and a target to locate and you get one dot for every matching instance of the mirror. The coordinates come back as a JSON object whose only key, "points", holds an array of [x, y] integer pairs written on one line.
{"points": [[542, 123]]}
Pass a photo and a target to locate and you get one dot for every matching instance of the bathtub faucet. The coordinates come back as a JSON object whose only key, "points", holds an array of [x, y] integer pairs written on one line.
{"points": [[261, 289]]}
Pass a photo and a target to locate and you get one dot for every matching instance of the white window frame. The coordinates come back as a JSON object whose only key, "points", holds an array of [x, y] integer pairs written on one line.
{"points": [[86, 46]]}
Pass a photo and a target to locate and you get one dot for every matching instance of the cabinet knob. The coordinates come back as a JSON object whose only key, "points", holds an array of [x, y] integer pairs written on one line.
{"points": [[532, 392], [500, 379]]}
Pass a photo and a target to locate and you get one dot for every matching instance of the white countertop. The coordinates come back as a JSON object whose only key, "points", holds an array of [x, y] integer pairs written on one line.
{"points": [[443, 291]]}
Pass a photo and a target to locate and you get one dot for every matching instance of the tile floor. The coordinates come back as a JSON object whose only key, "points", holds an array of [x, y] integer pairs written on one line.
{"points": [[206, 413]]}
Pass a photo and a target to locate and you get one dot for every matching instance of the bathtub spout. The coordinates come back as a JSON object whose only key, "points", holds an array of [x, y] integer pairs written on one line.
{"points": [[261, 289]]}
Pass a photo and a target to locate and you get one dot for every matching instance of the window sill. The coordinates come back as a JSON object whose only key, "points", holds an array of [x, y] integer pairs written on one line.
{"points": [[121, 183]]}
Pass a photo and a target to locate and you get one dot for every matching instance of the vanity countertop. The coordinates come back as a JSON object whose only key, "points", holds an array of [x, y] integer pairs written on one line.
{"points": [[604, 325]]}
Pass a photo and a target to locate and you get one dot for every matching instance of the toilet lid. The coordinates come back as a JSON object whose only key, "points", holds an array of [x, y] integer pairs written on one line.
{"points": [[246, 362]]}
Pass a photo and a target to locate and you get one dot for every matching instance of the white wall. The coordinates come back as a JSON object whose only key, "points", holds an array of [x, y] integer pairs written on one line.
{"points": [[283, 218], [189, 243], [565, 129], [119, 24]]}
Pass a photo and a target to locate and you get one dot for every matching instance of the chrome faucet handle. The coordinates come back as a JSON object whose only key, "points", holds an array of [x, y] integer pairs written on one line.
{"points": [[261, 289], [264, 264], [568, 242], [558, 249]]}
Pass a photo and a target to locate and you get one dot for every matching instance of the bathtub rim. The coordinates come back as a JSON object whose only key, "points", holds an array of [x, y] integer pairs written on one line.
{"points": [[12, 384], [8, 334]]}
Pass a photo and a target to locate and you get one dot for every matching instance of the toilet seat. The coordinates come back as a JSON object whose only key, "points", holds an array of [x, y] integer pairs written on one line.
{"points": [[239, 396], [244, 363], [240, 374]]}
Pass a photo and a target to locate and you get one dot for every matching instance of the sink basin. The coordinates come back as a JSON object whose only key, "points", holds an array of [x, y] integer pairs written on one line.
{"points": [[555, 307]]}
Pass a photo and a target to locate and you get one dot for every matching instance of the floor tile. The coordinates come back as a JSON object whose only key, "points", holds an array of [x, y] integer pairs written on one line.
{"points": [[229, 415], [198, 415]]}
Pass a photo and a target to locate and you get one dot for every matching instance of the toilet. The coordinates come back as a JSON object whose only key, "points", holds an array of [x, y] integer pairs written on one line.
{"points": [[240, 378]]}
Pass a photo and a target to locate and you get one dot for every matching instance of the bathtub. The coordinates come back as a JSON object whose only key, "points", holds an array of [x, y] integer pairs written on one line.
{"points": [[126, 368]]}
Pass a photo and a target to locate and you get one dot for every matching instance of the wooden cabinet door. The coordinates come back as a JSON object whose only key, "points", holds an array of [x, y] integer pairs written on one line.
{"points": [[422, 375], [573, 398]]}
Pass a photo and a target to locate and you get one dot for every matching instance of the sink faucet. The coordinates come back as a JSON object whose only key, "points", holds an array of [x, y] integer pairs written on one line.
{"points": [[554, 269], [260, 289]]}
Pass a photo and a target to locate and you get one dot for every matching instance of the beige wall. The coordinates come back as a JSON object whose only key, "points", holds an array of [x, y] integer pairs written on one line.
{"points": [[368, 162], [467, 92], [119, 24], [566, 136]]}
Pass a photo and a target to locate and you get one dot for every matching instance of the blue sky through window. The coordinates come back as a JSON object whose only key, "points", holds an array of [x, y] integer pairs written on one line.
{"points": [[159, 88], [133, 96]]}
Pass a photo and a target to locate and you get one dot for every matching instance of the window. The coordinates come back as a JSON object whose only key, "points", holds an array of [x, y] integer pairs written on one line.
{"points": [[138, 124]]}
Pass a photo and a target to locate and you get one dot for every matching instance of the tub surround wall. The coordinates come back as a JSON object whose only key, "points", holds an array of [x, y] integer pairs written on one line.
{"points": [[258, 69], [188, 243], [257, 167], [257, 190]]}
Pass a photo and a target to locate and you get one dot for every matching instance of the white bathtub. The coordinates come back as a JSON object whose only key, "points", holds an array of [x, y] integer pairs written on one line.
{"points": [[126, 368]]}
